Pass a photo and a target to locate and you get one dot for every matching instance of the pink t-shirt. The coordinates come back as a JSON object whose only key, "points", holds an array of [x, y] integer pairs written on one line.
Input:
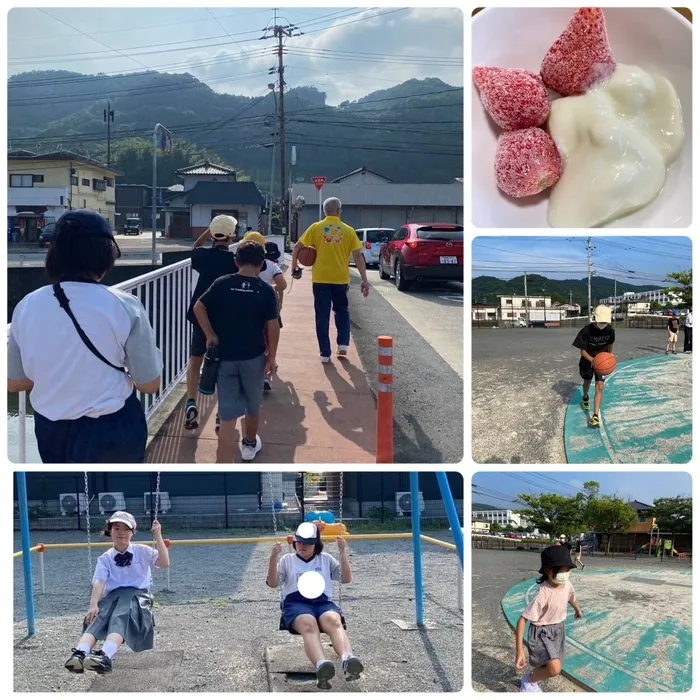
{"points": [[548, 607]]}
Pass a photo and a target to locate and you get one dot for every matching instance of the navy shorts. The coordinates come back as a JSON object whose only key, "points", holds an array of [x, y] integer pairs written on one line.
{"points": [[585, 369], [118, 437], [198, 347], [295, 604]]}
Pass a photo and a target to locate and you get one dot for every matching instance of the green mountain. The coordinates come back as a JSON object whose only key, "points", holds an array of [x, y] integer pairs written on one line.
{"points": [[485, 289], [411, 132]]}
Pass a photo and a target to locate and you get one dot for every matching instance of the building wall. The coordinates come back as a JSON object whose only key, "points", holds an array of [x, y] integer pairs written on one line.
{"points": [[201, 216]]}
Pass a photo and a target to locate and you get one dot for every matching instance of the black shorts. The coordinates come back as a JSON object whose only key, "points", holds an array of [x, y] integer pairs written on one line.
{"points": [[585, 369], [198, 346]]}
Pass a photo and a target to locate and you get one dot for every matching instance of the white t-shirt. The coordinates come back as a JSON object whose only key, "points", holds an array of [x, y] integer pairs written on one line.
{"points": [[689, 320], [290, 567], [272, 269], [69, 381], [138, 574]]}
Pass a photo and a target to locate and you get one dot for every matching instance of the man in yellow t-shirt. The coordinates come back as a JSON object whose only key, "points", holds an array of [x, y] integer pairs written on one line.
{"points": [[334, 241]]}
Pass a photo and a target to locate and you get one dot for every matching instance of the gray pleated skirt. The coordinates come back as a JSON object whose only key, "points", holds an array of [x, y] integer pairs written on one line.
{"points": [[127, 612]]}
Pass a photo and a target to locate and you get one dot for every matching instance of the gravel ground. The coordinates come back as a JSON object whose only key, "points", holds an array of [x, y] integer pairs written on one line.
{"points": [[221, 614], [522, 381], [494, 573]]}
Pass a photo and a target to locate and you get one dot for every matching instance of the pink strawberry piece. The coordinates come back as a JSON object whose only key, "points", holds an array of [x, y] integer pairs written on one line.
{"points": [[527, 162], [581, 56], [515, 98]]}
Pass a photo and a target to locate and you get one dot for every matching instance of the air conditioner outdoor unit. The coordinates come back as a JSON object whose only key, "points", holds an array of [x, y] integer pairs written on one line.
{"points": [[111, 501], [403, 502], [164, 504], [70, 502]]}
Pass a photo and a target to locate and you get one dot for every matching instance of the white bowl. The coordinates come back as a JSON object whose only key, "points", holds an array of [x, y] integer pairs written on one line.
{"points": [[656, 39]]}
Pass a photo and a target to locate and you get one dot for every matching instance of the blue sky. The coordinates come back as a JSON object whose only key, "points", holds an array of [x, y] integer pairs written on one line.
{"points": [[227, 53], [638, 260], [499, 488]]}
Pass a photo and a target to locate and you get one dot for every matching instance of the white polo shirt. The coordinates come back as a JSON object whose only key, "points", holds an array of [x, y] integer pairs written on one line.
{"points": [[69, 381], [138, 574], [290, 567], [272, 269]]}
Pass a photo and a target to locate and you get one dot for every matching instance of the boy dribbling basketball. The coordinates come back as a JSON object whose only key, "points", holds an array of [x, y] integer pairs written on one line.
{"points": [[592, 339]]}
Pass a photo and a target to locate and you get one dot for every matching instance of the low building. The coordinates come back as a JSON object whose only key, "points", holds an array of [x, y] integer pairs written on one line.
{"points": [[209, 190], [42, 186], [372, 200], [136, 201], [657, 295], [504, 517], [480, 526], [531, 309], [485, 313]]}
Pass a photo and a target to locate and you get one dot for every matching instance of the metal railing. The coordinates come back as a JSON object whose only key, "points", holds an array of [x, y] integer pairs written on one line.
{"points": [[165, 294]]}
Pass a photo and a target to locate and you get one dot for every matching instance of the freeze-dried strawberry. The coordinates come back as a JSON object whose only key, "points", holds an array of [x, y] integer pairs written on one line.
{"points": [[581, 56], [527, 162], [515, 98]]}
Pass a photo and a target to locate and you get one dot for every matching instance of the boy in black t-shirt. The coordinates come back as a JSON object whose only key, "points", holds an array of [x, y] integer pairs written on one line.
{"points": [[596, 337], [673, 328], [211, 263], [234, 314]]}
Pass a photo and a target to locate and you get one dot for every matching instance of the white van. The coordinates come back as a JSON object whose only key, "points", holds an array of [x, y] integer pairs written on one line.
{"points": [[372, 240]]}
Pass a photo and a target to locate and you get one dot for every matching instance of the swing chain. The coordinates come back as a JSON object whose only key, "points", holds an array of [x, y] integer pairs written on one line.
{"points": [[157, 504], [87, 522], [340, 520], [272, 504]]}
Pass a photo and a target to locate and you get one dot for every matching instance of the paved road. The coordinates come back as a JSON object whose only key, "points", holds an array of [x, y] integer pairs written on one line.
{"points": [[522, 381], [426, 325]]}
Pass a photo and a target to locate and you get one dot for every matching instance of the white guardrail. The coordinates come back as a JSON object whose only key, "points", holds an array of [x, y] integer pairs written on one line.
{"points": [[165, 294]]}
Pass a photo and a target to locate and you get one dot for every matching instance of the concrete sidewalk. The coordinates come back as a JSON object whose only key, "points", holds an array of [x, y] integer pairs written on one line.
{"points": [[315, 413]]}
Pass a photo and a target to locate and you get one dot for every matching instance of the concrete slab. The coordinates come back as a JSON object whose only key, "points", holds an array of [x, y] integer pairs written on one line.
{"points": [[646, 415], [632, 637], [290, 671], [148, 671], [406, 626]]}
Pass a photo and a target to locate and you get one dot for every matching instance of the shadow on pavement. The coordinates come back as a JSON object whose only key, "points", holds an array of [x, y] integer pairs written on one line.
{"points": [[565, 390], [493, 674], [443, 679]]}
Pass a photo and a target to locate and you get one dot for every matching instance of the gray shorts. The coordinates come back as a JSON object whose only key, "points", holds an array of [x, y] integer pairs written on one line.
{"points": [[239, 387], [545, 643]]}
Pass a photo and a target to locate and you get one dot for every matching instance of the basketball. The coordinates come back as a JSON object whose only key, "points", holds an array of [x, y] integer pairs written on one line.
{"points": [[306, 256], [604, 363]]}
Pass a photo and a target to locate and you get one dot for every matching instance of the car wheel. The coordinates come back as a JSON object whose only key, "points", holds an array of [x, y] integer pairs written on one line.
{"points": [[382, 274], [402, 284]]}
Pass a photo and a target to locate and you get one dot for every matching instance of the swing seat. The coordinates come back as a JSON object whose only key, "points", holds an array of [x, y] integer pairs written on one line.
{"points": [[331, 528]]}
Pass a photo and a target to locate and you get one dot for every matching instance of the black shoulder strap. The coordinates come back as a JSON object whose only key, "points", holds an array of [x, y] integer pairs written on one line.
{"points": [[63, 301]]}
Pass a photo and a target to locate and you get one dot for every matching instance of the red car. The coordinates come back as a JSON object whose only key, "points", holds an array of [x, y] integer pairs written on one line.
{"points": [[418, 252]]}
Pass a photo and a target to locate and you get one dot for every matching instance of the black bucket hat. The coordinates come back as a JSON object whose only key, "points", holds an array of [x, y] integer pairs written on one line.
{"points": [[272, 251], [556, 555]]}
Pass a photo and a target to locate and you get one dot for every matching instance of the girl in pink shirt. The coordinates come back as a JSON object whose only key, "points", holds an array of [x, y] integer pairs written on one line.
{"points": [[546, 614]]}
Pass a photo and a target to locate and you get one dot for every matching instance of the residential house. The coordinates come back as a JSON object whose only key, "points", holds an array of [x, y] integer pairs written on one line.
{"points": [[208, 190], [136, 201], [531, 309], [484, 314], [480, 527], [42, 186]]}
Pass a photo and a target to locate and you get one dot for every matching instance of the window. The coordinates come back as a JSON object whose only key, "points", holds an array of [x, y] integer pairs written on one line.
{"points": [[21, 180], [401, 234], [441, 232], [84, 204], [37, 178], [109, 181], [377, 235], [61, 199], [85, 182], [642, 519], [98, 185], [509, 301], [74, 180]]}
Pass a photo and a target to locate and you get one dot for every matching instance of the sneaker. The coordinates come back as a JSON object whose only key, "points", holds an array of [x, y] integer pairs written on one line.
{"points": [[352, 668], [666, 353], [325, 360], [217, 424], [267, 386], [583, 566], [343, 350], [191, 414], [75, 663], [586, 403], [527, 687], [324, 673], [99, 662], [674, 352], [595, 421], [249, 452]]}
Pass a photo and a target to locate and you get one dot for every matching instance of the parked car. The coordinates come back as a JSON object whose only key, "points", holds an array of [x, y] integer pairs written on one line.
{"points": [[48, 233], [372, 240], [418, 252], [132, 226]]}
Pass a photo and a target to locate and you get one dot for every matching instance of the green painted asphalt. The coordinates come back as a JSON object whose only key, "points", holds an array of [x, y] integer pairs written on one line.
{"points": [[646, 415], [636, 630]]}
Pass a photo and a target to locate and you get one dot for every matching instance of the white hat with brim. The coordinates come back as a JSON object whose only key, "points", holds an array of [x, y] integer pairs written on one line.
{"points": [[223, 226], [602, 314], [121, 516]]}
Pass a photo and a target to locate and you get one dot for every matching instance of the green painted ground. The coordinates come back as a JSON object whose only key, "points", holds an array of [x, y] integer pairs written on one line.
{"points": [[636, 630], [646, 415]]}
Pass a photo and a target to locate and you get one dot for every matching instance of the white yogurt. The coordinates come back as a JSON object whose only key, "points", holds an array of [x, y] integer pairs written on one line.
{"points": [[616, 142]]}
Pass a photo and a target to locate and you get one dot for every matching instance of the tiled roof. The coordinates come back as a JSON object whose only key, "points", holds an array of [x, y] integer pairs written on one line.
{"points": [[206, 168], [241, 193], [361, 170]]}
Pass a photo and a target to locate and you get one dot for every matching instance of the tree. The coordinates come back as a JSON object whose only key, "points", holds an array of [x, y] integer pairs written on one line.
{"points": [[655, 306], [495, 528], [684, 280], [674, 515], [610, 515], [553, 514]]}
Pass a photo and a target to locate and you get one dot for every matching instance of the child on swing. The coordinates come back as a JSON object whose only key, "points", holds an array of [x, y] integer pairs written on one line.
{"points": [[120, 601], [309, 617]]}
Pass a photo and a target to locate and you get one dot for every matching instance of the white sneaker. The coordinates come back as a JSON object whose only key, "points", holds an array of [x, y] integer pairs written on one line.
{"points": [[527, 687], [343, 350], [248, 452], [325, 360]]}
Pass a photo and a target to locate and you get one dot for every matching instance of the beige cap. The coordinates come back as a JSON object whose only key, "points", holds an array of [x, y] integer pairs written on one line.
{"points": [[223, 226], [602, 314], [121, 516]]}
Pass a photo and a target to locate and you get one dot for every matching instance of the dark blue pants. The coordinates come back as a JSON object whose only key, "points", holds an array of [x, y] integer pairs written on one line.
{"points": [[118, 437], [325, 297]]}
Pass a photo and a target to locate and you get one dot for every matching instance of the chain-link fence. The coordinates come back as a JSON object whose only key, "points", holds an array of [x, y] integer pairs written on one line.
{"points": [[61, 501]]}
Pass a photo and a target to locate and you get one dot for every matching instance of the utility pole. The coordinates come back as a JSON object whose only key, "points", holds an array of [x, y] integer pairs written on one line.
{"points": [[109, 118], [615, 302], [527, 303], [588, 249]]}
